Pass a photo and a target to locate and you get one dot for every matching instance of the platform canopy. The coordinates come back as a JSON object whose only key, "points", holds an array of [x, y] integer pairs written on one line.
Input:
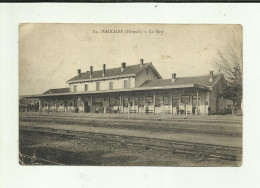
{"points": [[158, 88]]}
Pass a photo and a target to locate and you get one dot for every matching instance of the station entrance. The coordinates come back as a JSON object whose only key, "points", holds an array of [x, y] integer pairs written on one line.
{"points": [[175, 105]]}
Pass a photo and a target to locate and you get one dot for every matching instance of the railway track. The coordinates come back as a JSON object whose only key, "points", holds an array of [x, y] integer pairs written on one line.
{"points": [[133, 126], [35, 160], [136, 119], [162, 145]]}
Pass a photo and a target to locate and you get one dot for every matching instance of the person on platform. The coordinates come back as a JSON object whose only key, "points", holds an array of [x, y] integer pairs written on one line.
{"points": [[193, 110], [177, 109], [209, 110], [146, 109]]}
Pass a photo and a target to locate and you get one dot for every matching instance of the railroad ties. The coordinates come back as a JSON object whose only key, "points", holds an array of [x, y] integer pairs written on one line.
{"points": [[162, 145]]}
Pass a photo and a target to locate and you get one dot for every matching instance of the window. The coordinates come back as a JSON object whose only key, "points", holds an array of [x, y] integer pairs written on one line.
{"points": [[98, 86], [141, 102], [194, 100], [158, 101], [75, 88], [114, 102], [166, 100], [175, 101], [75, 102], [161, 100], [86, 87], [110, 85], [149, 100], [185, 99], [125, 84], [125, 102]]}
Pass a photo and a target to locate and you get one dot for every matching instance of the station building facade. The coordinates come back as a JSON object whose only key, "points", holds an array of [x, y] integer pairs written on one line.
{"points": [[130, 88]]}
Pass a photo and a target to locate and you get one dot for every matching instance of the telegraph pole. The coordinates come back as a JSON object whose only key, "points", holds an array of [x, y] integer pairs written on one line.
{"points": [[186, 111], [128, 113], [197, 99]]}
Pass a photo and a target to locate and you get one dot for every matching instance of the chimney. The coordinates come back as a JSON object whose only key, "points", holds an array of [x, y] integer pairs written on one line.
{"points": [[210, 76], [104, 70], [173, 77], [141, 62], [123, 66], [79, 72], [91, 71]]}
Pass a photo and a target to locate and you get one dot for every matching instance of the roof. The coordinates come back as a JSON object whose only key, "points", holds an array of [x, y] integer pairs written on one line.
{"points": [[182, 82], [131, 69], [198, 80], [58, 90], [120, 90]]}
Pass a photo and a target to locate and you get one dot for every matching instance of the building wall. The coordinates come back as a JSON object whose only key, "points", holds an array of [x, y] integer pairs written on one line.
{"points": [[221, 104], [145, 74], [167, 107], [104, 84], [134, 101], [159, 105], [60, 105], [191, 93], [215, 101]]}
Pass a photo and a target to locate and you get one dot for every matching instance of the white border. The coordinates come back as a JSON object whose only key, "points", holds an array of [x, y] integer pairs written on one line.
{"points": [[13, 176]]}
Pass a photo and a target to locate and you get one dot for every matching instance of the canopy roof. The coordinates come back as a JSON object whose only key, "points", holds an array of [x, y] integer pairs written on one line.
{"points": [[195, 82]]}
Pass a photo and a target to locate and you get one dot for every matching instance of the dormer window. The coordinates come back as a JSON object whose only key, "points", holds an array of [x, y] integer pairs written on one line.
{"points": [[110, 85], [98, 86], [75, 88], [125, 84]]}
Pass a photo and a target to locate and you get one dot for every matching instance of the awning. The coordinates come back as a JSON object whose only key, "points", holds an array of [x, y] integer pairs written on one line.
{"points": [[194, 86]]}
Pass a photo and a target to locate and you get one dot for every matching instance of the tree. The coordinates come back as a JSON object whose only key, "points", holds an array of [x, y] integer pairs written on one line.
{"points": [[230, 63]]}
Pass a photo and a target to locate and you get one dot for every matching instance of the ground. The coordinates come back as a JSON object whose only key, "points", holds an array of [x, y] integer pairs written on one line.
{"points": [[69, 150]]}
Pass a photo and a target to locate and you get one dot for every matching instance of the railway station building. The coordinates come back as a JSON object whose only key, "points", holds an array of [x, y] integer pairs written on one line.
{"points": [[132, 88]]}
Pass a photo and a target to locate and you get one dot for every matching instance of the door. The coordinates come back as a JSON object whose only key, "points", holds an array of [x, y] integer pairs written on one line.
{"points": [[175, 105], [86, 107], [194, 103]]}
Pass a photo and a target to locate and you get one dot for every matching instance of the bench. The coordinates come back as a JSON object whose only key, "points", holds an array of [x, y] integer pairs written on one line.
{"points": [[70, 110], [166, 111], [150, 111], [184, 112], [133, 111], [53, 110]]}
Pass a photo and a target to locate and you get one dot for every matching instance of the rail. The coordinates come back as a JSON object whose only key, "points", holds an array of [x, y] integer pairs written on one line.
{"points": [[178, 147]]}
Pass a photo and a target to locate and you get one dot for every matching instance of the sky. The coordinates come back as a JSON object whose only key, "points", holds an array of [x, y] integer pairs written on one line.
{"points": [[50, 54]]}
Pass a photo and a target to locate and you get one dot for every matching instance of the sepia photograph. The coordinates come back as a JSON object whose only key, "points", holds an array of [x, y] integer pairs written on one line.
{"points": [[131, 94]]}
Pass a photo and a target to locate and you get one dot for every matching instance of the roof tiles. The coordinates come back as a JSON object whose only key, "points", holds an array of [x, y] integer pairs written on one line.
{"points": [[58, 90], [199, 80], [132, 69]]}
